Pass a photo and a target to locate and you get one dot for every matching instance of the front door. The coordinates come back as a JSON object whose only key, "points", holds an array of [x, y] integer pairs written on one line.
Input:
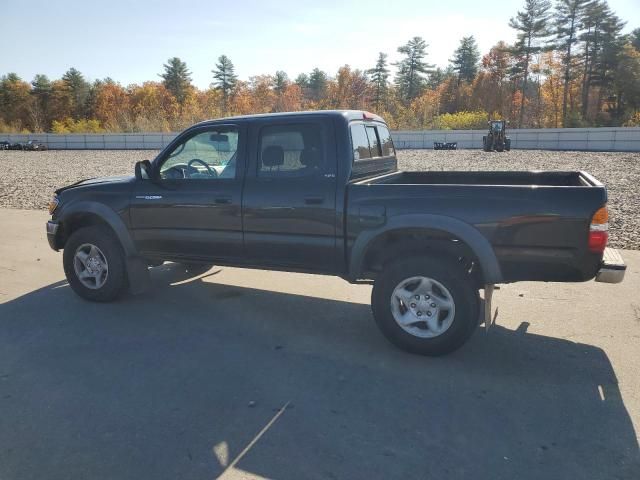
{"points": [[289, 204], [194, 209]]}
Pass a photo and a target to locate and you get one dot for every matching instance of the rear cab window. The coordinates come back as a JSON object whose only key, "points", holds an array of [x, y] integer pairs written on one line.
{"points": [[292, 150], [373, 150]]}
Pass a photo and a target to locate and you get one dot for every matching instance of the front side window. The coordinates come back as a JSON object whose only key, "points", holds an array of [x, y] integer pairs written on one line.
{"points": [[291, 151], [207, 155]]}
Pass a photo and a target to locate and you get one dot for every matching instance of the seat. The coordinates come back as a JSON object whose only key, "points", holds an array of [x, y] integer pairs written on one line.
{"points": [[311, 158], [273, 156]]}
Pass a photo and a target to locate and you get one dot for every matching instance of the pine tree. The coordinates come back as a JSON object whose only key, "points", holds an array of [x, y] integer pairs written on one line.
{"points": [[79, 90], [409, 79], [439, 76], [568, 18], [177, 78], [280, 82], [317, 84], [607, 63], [465, 59], [225, 79], [628, 81], [602, 28], [531, 24], [634, 38], [40, 91], [380, 79], [302, 80]]}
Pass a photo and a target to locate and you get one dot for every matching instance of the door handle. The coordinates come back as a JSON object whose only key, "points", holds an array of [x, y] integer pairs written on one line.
{"points": [[314, 200]]}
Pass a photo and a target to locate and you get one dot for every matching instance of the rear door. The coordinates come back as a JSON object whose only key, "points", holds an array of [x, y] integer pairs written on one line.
{"points": [[289, 197]]}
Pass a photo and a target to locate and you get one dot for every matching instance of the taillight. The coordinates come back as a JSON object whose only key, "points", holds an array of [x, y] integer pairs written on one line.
{"points": [[599, 231]]}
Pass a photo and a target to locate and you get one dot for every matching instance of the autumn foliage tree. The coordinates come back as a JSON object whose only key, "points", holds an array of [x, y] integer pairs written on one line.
{"points": [[589, 74]]}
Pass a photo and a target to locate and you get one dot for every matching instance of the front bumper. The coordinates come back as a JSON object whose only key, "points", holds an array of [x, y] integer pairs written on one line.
{"points": [[52, 232], [612, 268]]}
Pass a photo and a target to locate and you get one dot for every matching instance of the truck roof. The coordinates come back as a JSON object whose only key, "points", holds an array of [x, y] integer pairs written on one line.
{"points": [[347, 114]]}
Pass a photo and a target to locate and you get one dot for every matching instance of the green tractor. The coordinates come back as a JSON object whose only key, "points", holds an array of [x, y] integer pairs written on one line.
{"points": [[497, 138]]}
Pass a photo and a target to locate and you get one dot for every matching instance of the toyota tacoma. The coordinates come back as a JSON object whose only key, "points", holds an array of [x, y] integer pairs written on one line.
{"points": [[321, 192]]}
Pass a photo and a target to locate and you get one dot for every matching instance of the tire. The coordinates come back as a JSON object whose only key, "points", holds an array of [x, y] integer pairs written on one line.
{"points": [[487, 144], [507, 144], [106, 286], [462, 322]]}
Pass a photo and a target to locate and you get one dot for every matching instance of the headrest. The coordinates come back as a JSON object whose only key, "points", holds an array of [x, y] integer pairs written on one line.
{"points": [[273, 156], [310, 157]]}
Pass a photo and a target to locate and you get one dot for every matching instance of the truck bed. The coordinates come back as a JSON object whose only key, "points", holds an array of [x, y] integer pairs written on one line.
{"points": [[535, 178], [536, 222]]}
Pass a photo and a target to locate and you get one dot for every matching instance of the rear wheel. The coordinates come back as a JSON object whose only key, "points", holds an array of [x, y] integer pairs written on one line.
{"points": [[487, 144], [425, 305], [94, 264], [507, 144]]}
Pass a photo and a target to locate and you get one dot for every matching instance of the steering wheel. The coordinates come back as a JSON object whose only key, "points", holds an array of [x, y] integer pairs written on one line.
{"points": [[176, 172], [210, 171]]}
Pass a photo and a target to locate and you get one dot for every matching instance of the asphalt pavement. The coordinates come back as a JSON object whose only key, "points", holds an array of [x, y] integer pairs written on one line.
{"points": [[255, 374]]}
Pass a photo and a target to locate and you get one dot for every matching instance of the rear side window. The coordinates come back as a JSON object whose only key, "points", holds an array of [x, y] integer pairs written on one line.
{"points": [[371, 141], [374, 144], [291, 151], [385, 142], [360, 142]]}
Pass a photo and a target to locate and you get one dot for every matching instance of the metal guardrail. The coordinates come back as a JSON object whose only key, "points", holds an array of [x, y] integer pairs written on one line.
{"points": [[582, 139], [106, 141]]}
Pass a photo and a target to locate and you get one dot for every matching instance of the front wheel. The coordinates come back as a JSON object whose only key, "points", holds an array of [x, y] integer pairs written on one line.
{"points": [[425, 305], [487, 144], [94, 264]]}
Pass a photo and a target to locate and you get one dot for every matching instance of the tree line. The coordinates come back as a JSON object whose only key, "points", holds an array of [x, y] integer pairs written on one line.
{"points": [[570, 66]]}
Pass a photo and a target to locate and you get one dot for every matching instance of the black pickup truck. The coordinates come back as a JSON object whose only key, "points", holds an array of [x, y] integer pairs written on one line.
{"points": [[320, 192]]}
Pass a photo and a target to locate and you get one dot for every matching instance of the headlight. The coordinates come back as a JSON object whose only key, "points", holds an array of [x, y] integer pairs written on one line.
{"points": [[53, 204]]}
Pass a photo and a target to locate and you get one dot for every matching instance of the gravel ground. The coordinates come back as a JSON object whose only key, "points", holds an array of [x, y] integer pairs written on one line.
{"points": [[29, 178]]}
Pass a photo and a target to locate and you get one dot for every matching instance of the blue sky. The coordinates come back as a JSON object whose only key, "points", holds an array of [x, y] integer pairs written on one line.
{"points": [[130, 40]]}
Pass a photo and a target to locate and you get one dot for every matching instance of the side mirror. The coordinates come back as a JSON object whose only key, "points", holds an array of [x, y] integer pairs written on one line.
{"points": [[144, 170]]}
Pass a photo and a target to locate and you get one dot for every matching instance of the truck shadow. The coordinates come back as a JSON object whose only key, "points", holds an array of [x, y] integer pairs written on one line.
{"points": [[179, 382]]}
